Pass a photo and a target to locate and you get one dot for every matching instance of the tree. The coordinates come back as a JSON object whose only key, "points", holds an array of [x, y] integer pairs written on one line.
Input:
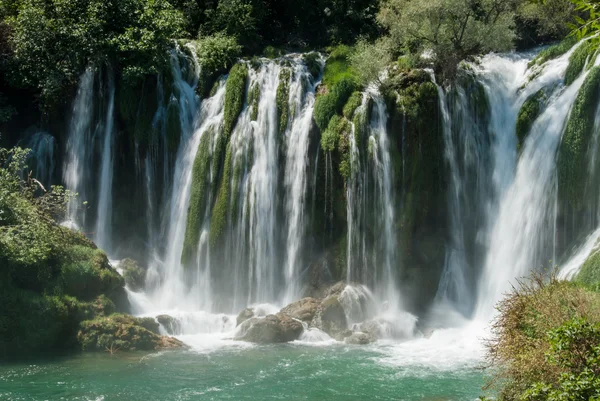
{"points": [[369, 59], [451, 29]]}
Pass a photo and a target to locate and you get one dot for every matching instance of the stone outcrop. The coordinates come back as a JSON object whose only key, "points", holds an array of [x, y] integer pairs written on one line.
{"points": [[304, 309], [244, 315], [279, 328]]}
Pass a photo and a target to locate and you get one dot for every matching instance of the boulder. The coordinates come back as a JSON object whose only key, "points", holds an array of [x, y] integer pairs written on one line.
{"points": [[244, 315], [170, 324], [123, 333], [279, 328], [331, 318], [133, 274], [304, 309], [358, 338]]}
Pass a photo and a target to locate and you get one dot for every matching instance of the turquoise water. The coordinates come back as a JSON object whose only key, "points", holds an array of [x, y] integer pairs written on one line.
{"points": [[286, 372]]}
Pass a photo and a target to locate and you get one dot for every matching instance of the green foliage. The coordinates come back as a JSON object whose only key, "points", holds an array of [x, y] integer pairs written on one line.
{"points": [[6, 111], [544, 19], [218, 221], [553, 51], [575, 351], [313, 63], [572, 167], [53, 41], [544, 339], [235, 93], [453, 29], [283, 94], [237, 18], [272, 52], [218, 52], [529, 112], [198, 198], [581, 57], [338, 67], [51, 277], [338, 127], [352, 104], [368, 60]]}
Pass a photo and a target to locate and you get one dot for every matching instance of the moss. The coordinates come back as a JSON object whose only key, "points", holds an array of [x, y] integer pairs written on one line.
{"points": [[589, 275], [218, 220], [554, 51], [272, 52], [338, 127], [352, 104], [238, 170], [173, 125], [235, 94], [529, 112], [119, 332], [313, 63], [198, 199], [254, 101], [133, 274], [578, 60], [337, 67], [283, 95], [327, 105], [575, 142]]}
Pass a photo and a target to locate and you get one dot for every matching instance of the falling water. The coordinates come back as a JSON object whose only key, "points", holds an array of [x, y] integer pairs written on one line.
{"points": [[104, 223], [523, 234], [41, 157], [78, 151]]}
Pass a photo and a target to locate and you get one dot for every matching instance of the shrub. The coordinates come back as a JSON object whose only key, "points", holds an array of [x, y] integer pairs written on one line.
{"points": [[368, 60], [526, 330], [352, 104], [218, 52]]}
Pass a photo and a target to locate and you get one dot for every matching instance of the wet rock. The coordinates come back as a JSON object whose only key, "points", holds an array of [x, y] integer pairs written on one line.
{"points": [[331, 318], [319, 277], [358, 338], [244, 315], [133, 274], [170, 324], [279, 328], [123, 333], [304, 309]]}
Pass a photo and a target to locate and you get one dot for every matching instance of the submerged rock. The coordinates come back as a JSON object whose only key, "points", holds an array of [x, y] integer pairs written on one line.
{"points": [[279, 328], [123, 333], [358, 338], [304, 309], [170, 324], [244, 315], [331, 318]]}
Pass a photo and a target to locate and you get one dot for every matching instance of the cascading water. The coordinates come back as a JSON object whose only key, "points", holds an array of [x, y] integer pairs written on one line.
{"points": [[104, 222], [78, 152]]}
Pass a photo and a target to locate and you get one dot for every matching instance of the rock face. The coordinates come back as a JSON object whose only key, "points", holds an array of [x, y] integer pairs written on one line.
{"points": [[123, 333], [170, 324], [304, 309], [330, 318], [358, 338], [133, 274], [244, 315], [279, 328]]}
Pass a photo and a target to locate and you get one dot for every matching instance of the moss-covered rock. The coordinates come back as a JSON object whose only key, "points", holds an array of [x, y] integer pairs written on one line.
{"points": [[572, 164], [123, 333], [283, 95], [332, 102], [253, 101], [313, 64], [134, 275], [530, 111], [584, 54], [235, 94], [352, 104], [218, 221], [198, 198], [554, 51], [330, 138]]}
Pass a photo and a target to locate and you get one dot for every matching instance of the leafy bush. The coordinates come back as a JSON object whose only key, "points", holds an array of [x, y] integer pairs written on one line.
{"points": [[368, 60], [529, 332], [217, 53], [352, 104], [589, 275], [554, 51]]}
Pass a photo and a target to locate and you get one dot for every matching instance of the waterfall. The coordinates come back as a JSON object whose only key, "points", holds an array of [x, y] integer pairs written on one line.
{"points": [[523, 237], [371, 236], [41, 159], [104, 223], [78, 152]]}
